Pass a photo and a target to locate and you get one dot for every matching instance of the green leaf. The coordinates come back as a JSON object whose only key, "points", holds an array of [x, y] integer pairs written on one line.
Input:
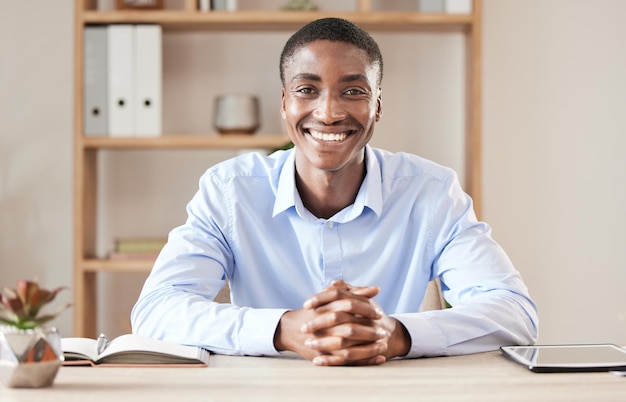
{"points": [[20, 307]]}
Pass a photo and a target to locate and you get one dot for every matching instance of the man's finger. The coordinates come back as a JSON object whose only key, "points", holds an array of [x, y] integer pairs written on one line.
{"points": [[369, 354], [333, 293]]}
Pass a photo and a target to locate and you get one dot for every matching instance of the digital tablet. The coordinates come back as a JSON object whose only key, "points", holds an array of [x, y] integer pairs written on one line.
{"points": [[567, 358]]}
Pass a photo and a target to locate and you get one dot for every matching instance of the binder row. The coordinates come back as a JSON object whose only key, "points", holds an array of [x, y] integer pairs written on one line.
{"points": [[207, 5], [122, 80]]}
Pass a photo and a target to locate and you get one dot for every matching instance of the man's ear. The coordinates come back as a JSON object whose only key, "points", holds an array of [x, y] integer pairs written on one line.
{"points": [[379, 105], [282, 103]]}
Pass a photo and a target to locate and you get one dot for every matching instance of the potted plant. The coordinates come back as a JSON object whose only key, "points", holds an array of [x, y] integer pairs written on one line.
{"points": [[30, 351]]}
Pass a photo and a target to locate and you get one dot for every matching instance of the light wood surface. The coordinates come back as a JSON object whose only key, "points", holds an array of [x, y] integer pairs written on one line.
{"points": [[173, 141], [245, 20], [480, 377]]}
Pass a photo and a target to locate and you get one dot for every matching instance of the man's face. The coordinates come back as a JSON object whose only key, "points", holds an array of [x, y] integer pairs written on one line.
{"points": [[330, 103]]}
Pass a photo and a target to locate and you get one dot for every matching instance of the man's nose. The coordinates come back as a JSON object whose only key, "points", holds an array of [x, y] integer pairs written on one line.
{"points": [[329, 109]]}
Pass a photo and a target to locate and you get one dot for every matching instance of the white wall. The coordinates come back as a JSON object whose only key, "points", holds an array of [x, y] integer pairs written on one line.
{"points": [[555, 158], [36, 145], [553, 146]]}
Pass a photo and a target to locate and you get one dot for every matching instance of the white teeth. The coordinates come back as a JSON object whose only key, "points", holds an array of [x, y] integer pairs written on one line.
{"points": [[328, 137]]}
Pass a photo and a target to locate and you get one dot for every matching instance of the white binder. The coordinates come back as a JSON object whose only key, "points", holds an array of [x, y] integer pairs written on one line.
{"points": [[148, 80], [430, 6], [120, 45], [458, 6], [95, 107]]}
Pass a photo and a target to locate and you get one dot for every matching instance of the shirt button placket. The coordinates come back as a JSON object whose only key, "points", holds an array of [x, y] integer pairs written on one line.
{"points": [[331, 252]]}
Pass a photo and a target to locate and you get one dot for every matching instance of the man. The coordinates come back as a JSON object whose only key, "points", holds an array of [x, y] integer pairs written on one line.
{"points": [[328, 247]]}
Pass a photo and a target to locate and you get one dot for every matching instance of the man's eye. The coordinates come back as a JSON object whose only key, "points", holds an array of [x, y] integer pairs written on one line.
{"points": [[305, 90], [354, 91]]}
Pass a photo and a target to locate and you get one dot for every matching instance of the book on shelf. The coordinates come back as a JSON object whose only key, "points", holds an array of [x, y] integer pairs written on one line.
{"points": [[95, 110], [138, 4], [147, 77], [120, 79], [131, 350], [139, 245], [117, 256], [137, 249]]}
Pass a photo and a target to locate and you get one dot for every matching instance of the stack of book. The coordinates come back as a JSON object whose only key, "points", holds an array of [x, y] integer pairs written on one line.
{"points": [[137, 248]]}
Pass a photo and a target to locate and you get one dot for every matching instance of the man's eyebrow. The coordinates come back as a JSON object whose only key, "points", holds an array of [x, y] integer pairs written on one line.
{"points": [[315, 77], [353, 77], [306, 76]]}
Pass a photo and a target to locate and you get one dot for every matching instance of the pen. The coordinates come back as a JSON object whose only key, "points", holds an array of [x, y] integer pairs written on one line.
{"points": [[102, 343]]}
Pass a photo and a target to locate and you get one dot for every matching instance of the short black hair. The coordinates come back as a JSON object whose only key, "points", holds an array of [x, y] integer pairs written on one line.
{"points": [[333, 29]]}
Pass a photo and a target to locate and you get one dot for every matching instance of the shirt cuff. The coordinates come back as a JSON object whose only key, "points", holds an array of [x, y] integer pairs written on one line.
{"points": [[427, 339], [256, 335]]}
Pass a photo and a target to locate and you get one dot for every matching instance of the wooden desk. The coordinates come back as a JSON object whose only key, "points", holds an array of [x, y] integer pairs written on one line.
{"points": [[480, 377]]}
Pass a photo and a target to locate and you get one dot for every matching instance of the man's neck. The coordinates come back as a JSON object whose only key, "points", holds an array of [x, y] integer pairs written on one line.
{"points": [[326, 193]]}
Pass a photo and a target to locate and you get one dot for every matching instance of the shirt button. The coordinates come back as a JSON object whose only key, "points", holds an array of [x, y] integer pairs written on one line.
{"points": [[331, 224]]}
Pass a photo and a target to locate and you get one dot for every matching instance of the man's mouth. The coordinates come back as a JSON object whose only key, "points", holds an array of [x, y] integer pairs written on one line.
{"points": [[331, 137]]}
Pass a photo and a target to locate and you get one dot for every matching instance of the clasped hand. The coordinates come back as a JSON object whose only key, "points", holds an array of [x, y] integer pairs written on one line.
{"points": [[342, 325]]}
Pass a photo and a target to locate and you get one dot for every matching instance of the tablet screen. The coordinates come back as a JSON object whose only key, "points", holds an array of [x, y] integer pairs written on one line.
{"points": [[546, 358]]}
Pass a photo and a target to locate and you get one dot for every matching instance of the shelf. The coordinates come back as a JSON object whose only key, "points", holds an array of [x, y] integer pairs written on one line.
{"points": [[280, 20], [106, 265], [171, 141]]}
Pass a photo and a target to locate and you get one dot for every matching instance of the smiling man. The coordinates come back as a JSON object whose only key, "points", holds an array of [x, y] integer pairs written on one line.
{"points": [[328, 247]]}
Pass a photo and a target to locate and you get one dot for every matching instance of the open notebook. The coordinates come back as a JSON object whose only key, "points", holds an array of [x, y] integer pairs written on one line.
{"points": [[130, 350]]}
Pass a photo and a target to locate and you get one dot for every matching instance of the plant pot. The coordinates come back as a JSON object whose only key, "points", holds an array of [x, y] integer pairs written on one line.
{"points": [[29, 358]]}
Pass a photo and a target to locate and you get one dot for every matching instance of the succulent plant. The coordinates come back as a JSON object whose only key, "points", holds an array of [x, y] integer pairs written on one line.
{"points": [[21, 307]]}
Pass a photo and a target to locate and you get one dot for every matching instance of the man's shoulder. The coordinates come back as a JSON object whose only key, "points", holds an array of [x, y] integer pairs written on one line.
{"points": [[407, 165], [250, 164]]}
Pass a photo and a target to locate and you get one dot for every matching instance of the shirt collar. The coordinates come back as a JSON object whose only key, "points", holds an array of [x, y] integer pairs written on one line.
{"points": [[373, 184], [369, 195], [286, 190]]}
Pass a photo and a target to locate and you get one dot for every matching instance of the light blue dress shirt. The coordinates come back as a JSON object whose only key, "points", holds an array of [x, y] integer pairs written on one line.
{"points": [[410, 222]]}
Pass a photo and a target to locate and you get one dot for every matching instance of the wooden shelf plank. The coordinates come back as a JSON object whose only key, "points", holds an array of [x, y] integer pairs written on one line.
{"points": [[172, 141], [251, 20]]}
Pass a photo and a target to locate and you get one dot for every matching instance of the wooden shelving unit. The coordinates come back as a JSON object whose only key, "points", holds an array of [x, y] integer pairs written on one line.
{"points": [[86, 149]]}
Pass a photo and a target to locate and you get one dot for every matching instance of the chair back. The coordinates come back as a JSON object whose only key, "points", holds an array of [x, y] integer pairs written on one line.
{"points": [[433, 299]]}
